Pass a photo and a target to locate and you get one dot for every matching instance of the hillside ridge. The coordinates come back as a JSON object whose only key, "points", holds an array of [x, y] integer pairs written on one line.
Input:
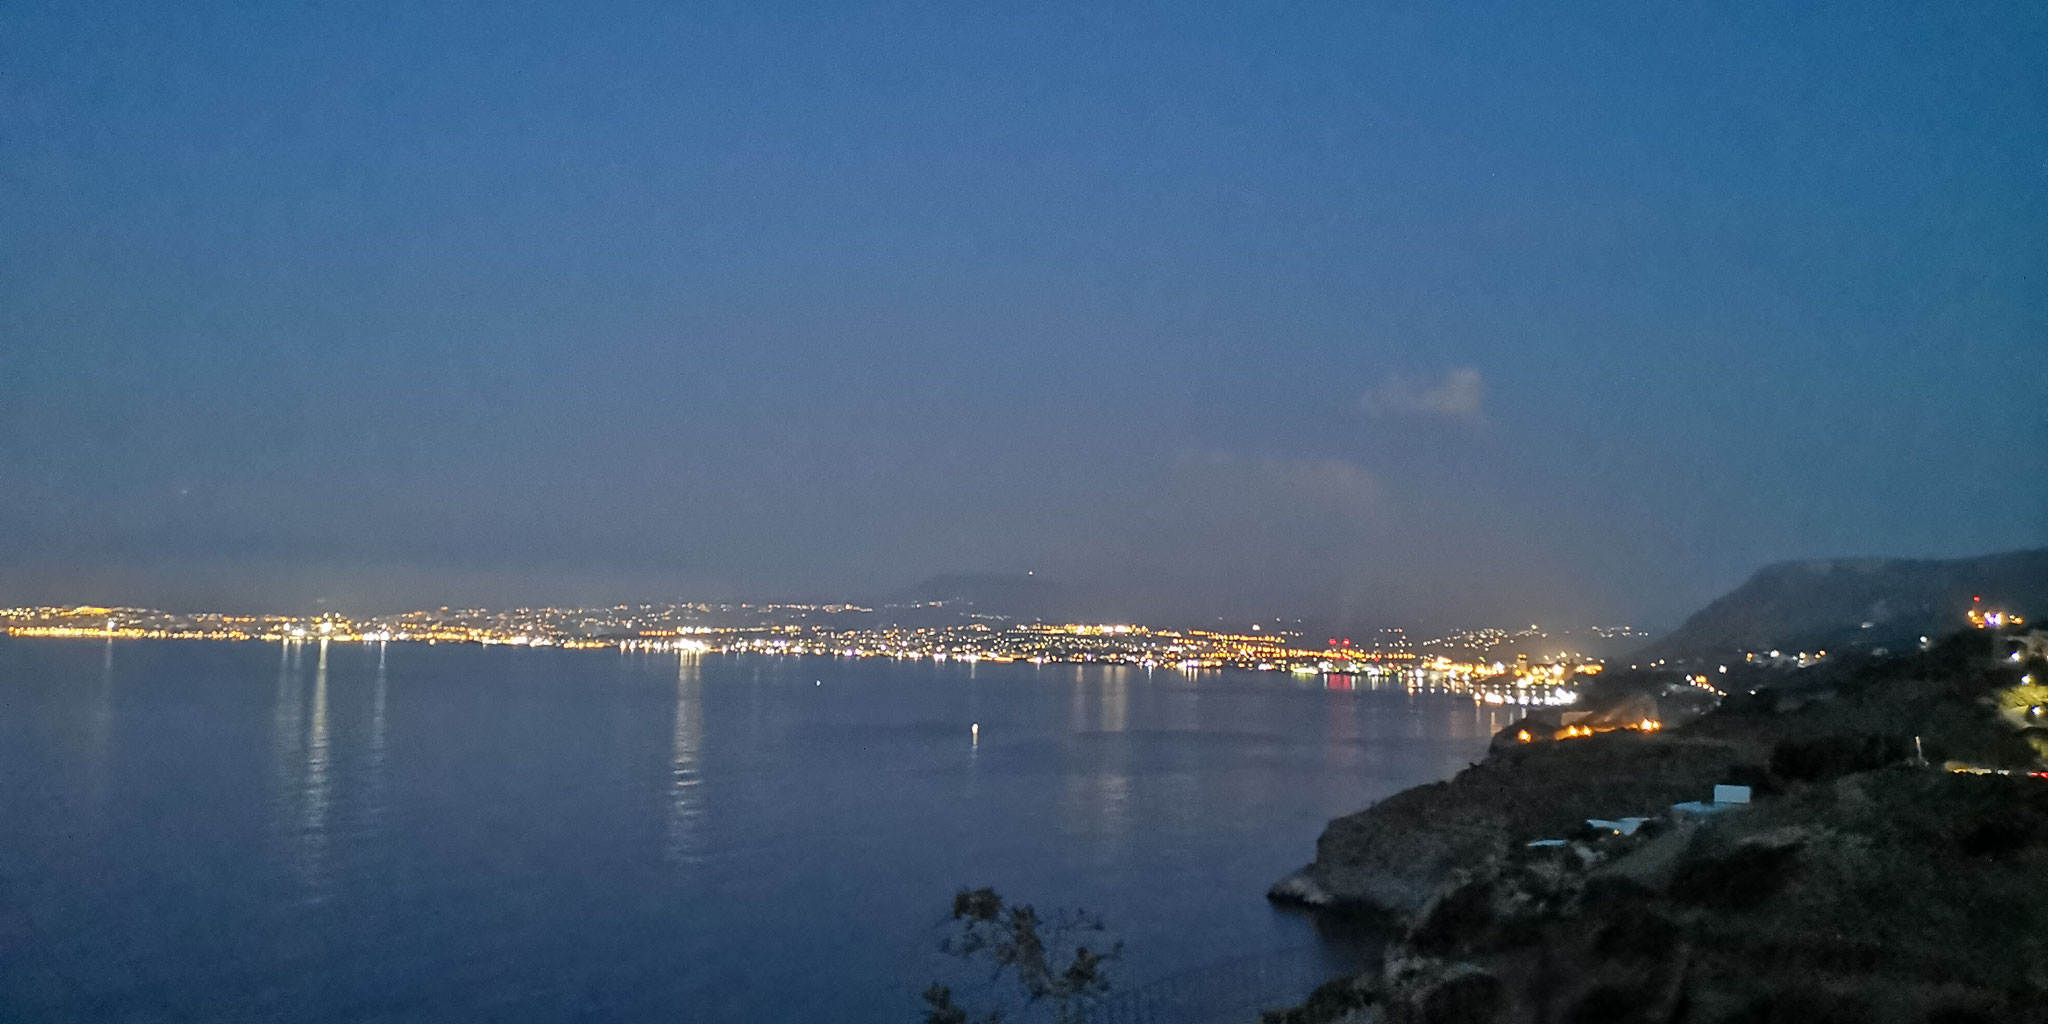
{"points": [[1852, 603]]}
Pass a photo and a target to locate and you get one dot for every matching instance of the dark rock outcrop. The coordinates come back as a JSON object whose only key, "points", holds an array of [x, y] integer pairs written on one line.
{"points": [[1392, 857], [1872, 899], [1863, 883]]}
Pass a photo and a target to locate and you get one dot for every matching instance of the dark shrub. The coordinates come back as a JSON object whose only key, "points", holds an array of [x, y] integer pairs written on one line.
{"points": [[1516, 931], [1739, 879], [1795, 1006], [1995, 839], [1460, 917], [1614, 894], [1756, 777], [1844, 956], [1467, 999], [1821, 758], [1607, 1004], [1330, 1001], [1965, 1015], [1645, 935], [977, 904]]}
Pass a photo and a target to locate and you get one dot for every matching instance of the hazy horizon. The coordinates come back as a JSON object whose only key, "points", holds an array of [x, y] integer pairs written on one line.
{"points": [[1358, 313], [1052, 600]]}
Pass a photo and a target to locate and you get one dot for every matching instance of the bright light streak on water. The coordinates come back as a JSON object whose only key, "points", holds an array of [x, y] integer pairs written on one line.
{"points": [[315, 784], [686, 811]]}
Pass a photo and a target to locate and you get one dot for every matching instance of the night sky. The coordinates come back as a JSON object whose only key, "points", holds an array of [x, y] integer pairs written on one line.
{"points": [[1363, 311]]}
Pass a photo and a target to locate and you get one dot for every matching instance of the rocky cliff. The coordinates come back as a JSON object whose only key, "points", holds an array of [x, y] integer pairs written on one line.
{"points": [[1866, 883], [1390, 858], [1891, 897]]}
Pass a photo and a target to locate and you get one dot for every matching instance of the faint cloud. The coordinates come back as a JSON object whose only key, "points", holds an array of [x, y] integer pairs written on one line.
{"points": [[1459, 396]]}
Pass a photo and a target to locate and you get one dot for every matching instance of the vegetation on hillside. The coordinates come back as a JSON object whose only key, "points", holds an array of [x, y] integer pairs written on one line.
{"points": [[1886, 873], [1851, 604], [1048, 957]]}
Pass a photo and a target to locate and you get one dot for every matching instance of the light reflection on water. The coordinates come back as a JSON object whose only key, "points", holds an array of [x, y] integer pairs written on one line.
{"points": [[405, 833], [287, 738], [1116, 701], [1342, 730], [375, 785], [315, 785], [686, 810], [99, 737], [1099, 699]]}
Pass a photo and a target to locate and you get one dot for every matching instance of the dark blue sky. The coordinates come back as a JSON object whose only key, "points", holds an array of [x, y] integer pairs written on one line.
{"points": [[1351, 310]]}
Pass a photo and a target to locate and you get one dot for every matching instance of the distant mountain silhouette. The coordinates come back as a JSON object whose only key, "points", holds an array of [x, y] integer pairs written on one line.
{"points": [[1846, 603]]}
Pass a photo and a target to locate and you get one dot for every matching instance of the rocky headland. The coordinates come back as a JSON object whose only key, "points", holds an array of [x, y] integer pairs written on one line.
{"points": [[1391, 858], [1887, 869]]}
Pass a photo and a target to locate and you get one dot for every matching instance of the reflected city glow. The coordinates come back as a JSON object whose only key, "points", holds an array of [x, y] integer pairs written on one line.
{"points": [[317, 786], [303, 772], [287, 742], [377, 699], [685, 801], [1099, 701], [376, 754], [1098, 804], [286, 720], [1340, 729], [1113, 799], [1116, 702], [99, 737]]}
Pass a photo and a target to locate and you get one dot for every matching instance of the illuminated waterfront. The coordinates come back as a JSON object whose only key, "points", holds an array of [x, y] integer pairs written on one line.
{"points": [[833, 631]]}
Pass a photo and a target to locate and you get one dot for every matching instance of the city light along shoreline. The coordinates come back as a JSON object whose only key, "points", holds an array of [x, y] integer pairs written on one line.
{"points": [[1391, 662]]}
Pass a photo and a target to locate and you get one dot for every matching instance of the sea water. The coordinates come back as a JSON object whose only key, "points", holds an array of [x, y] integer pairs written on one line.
{"points": [[202, 831]]}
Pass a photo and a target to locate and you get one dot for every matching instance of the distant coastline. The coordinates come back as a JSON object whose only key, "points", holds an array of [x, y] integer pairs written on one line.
{"points": [[1456, 663]]}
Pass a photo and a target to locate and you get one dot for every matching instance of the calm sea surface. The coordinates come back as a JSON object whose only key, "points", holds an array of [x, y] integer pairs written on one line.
{"points": [[212, 831]]}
